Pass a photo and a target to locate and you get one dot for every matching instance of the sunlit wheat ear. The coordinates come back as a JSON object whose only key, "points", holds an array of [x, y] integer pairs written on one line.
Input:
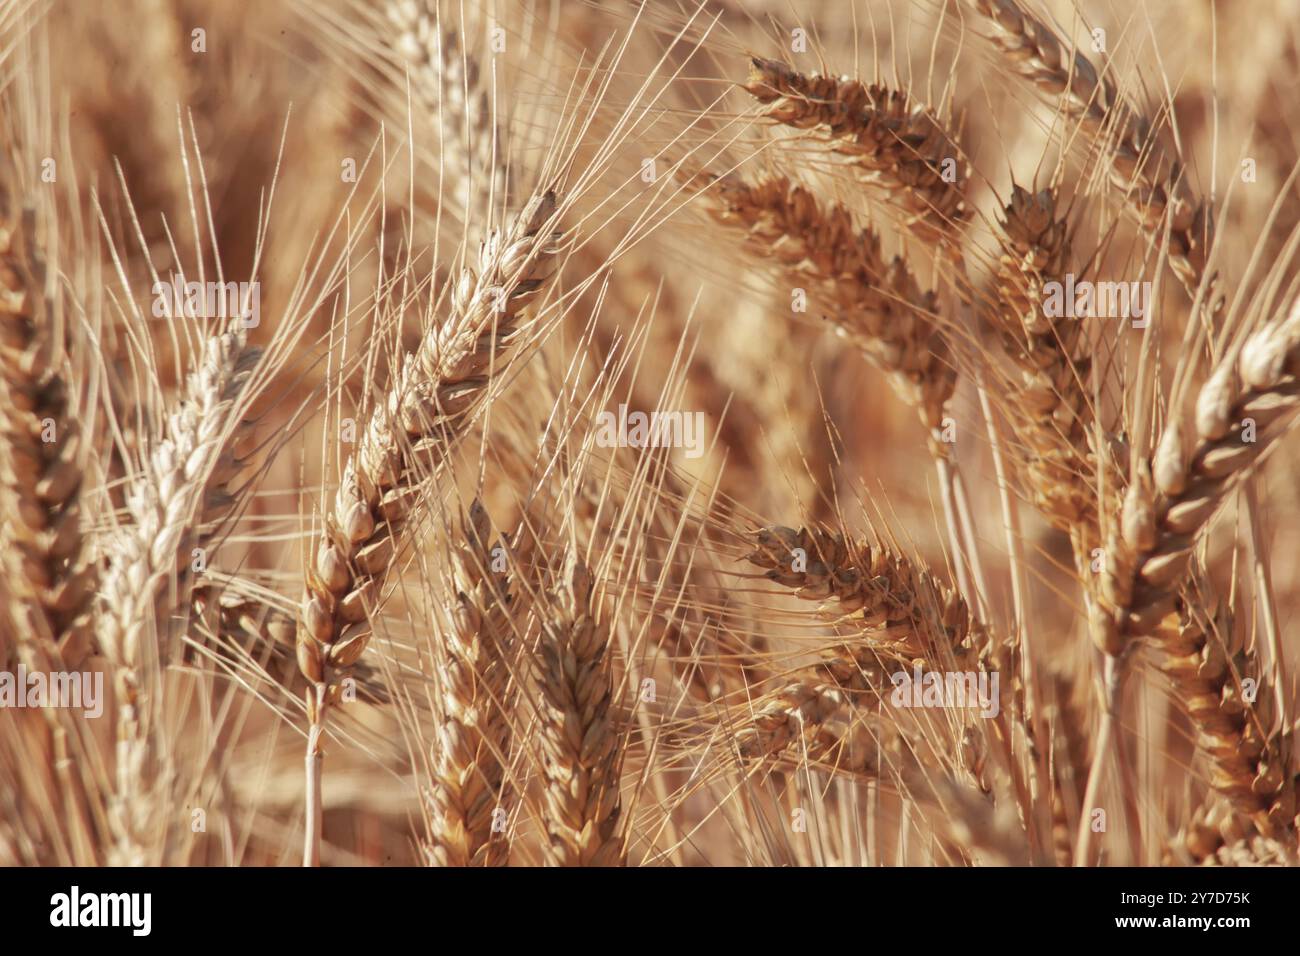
{"points": [[476, 692], [429, 405], [1240, 411], [43, 458], [579, 738], [875, 303], [1151, 180], [445, 80], [900, 148], [1049, 402], [147, 562], [426, 409]]}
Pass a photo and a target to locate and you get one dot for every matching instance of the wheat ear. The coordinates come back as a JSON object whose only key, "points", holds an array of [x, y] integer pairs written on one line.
{"points": [[135, 598], [1048, 399], [1239, 413], [446, 79], [429, 405], [1221, 685], [899, 147], [1152, 183], [475, 689], [1255, 389], [580, 740], [909, 613], [42, 458], [905, 615], [878, 305]]}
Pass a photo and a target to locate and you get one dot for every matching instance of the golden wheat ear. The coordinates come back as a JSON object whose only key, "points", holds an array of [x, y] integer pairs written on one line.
{"points": [[900, 148], [44, 457], [467, 789], [428, 407], [581, 744], [1144, 166], [874, 303]]}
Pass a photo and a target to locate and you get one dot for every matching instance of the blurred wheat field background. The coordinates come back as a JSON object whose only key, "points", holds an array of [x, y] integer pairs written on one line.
{"points": [[581, 433]]}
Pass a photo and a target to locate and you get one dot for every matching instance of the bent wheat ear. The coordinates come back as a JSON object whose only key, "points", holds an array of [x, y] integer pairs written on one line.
{"points": [[878, 305], [908, 611], [904, 612], [1153, 184], [896, 145], [476, 692], [581, 744]]}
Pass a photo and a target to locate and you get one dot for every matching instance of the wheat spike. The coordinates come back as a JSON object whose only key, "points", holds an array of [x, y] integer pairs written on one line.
{"points": [[1153, 184], [580, 740], [136, 602], [877, 304], [476, 690], [895, 145], [446, 80], [1048, 400], [429, 405], [42, 464], [1239, 412]]}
